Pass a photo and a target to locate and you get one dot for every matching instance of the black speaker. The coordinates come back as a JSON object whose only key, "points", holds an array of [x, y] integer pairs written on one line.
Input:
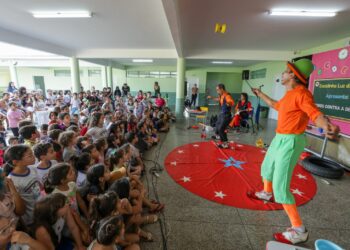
{"points": [[245, 75]]}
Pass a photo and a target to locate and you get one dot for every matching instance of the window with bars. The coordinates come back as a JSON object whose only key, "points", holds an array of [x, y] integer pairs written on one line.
{"points": [[94, 72], [258, 74], [64, 72], [151, 74]]}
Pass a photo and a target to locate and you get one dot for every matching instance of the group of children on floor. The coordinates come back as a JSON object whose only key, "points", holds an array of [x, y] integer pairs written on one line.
{"points": [[76, 182]]}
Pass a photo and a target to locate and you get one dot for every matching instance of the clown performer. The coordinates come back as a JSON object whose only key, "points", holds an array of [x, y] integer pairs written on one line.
{"points": [[294, 111], [226, 103]]}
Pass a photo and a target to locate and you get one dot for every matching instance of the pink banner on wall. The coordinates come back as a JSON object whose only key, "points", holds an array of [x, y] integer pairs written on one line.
{"points": [[330, 84]]}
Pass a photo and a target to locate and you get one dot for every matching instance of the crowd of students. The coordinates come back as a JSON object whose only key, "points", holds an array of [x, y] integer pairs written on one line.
{"points": [[76, 182]]}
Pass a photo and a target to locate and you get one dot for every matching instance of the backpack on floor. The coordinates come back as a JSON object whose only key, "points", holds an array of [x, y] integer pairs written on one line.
{"points": [[187, 103], [213, 120]]}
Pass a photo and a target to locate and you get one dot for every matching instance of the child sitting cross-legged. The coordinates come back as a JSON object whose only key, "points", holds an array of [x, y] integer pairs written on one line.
{"points": [[30, 134], [68, 140], [61, 179], [108, 232], [52, 215]]}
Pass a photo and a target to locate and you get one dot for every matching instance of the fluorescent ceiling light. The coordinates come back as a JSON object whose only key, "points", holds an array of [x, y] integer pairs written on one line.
{"points": [[62, 14], [221, 62], [142, 60], [302, 13]]}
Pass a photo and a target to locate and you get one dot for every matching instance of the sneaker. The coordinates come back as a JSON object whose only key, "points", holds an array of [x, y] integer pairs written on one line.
{"points": [[291, 236], [262, 195], [215, 137], [223, 145]]}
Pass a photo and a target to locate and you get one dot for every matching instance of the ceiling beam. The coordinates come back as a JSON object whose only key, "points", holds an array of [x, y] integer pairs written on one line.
{"points": [[127, 53], [104, 62], [172, 13], [264, 55], [15, 38]]}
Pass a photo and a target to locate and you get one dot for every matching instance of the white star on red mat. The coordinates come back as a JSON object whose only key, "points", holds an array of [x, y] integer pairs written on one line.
{"points": [[239, 145], [263, 151], [173, 163], [195, 145], [186, 179], [300, 176], [180, 151], [297, 191], [220, 194]]}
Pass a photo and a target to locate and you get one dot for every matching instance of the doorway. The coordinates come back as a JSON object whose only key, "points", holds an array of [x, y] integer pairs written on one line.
{"points": [[39, 83]]}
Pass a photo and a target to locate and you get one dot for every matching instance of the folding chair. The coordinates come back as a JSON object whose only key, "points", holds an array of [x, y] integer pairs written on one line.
{"points": [[202, 118]]}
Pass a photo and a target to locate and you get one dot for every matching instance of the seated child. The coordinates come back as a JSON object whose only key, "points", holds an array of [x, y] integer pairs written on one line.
{"points": [[46, 156]]}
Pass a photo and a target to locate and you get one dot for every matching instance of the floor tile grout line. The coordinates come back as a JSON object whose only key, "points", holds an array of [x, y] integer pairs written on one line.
{"points": [[245, 230], [251, 224]]}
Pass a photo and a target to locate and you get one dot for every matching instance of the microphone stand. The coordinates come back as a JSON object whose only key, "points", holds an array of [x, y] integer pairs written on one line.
{"points": [[257, 114]]}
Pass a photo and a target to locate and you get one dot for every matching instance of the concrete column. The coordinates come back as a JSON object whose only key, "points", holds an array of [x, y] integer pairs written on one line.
{"points": [[180, 85], [75, 74], [13, 74], [104, 76], [110, 76]]}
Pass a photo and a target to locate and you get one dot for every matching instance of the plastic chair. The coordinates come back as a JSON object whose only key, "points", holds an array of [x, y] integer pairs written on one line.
{"points": [[326, 245], [203, 118], [249, 119]]}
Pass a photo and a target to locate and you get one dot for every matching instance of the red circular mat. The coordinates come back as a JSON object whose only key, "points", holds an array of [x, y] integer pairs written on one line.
{"points": [[226, 176]]}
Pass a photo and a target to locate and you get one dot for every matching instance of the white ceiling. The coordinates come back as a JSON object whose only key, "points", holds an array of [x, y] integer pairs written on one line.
{"points": [[164, 29], [249, 27], [121, 24]]}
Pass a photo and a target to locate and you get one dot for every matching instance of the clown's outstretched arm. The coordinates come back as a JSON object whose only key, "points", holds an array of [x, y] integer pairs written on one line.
{"points": [[269, 101], [213, 98], [331, 130]]}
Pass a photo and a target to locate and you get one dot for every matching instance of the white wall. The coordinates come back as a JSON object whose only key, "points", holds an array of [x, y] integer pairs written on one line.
{"points": [[5, 77], [25, 78]]}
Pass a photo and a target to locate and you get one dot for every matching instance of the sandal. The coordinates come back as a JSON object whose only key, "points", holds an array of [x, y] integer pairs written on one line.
{"points": [[146, 236], [151, 219]]}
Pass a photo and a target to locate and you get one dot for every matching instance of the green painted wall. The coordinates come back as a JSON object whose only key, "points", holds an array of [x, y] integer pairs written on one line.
{"points": [[5, 78], [329, 46], [119, 77], [232, 81], [273, 70]]}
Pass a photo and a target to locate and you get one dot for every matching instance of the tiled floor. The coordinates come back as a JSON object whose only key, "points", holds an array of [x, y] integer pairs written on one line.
{"points": [[195, 223]]}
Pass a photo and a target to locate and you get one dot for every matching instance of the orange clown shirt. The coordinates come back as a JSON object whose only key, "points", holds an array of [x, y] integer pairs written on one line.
{"points": [[226, 97], [294, 111]]}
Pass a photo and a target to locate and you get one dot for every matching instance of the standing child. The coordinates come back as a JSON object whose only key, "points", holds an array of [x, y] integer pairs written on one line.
{"points": [[75, 102], [25, 178], [14, 115]]}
